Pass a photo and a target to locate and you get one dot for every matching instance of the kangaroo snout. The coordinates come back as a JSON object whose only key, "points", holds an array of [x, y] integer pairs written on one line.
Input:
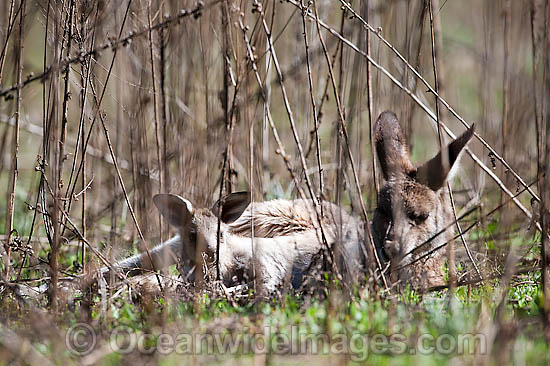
{"points": [[391, 248]]}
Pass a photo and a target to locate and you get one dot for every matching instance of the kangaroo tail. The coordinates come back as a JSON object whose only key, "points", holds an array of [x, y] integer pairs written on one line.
{"points": [[162, 256]]}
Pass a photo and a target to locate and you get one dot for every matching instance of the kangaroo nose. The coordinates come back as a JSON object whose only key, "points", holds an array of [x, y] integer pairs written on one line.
{"points": [[391, 249]]}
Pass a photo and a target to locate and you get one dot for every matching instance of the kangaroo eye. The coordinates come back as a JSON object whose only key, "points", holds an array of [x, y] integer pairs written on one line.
{"points": [[418, 218], [384, 212]]}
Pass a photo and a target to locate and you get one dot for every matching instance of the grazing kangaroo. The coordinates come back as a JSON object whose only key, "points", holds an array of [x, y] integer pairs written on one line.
{"points": [[414, 215], [413, 218], [285, 239]]}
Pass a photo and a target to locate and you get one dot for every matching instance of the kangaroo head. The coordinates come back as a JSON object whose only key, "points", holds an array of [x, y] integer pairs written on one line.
{"points": [[198, 227], [413, 205]]}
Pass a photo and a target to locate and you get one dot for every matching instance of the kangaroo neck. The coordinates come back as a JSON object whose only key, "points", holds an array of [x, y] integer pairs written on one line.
{"points": [[237, 246]]}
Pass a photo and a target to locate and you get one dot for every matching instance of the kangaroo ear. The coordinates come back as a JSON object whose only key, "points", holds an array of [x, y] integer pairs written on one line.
{"points": [[233, 206], [391, 146], [434, 172], [175, 209]]}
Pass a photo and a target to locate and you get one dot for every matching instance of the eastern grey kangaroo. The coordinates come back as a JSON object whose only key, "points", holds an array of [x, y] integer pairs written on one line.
{"points": [[284, 244], [414, 214], [413, 217]]}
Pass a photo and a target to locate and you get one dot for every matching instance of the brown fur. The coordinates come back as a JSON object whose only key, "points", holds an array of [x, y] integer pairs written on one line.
{"points": [[413, 206], [280, 218]]}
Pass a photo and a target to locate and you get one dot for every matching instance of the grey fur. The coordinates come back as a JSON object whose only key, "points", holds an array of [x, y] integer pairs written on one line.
{"points": [[285, 240], [413, 206]]}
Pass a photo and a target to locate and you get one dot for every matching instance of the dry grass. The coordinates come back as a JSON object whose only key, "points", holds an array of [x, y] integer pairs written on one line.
{"points": [[105, 103]]}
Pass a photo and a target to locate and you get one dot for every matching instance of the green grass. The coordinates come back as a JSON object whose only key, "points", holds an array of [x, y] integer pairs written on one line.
{"points": [[379, 331], [364, 327]]}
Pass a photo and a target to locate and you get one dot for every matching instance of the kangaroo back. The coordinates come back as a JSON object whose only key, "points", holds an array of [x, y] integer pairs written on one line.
{"points": [[288, 237], [286, 217]]}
